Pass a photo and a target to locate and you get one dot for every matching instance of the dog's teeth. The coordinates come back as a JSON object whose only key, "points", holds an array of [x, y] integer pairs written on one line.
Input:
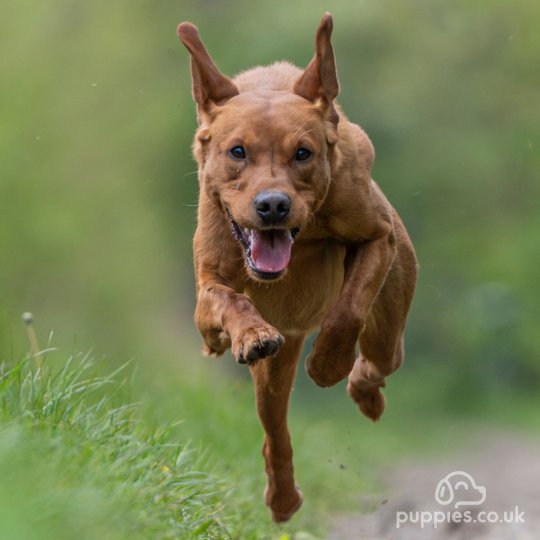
{"points": [[245, 235]]}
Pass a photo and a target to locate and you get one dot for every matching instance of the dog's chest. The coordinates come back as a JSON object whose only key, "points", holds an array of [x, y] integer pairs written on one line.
{"points": [[297, 303]]}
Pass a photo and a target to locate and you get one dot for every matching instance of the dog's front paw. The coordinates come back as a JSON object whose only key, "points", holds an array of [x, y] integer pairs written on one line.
{"points": [[256, 343], [333, 355]]}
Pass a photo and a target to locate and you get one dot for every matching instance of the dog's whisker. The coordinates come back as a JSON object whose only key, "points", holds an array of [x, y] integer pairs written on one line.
{"points": [[303, 134], [299, 128], [311, 218]]}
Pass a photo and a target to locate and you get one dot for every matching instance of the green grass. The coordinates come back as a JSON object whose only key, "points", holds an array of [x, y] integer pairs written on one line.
{"points": [[79, 460]]}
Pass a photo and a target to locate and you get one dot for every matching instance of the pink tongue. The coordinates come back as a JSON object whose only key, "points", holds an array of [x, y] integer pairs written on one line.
{"points": [[271, 250]]}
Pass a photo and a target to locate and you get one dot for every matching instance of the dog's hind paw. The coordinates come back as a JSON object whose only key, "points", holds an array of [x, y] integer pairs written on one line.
{"points": [[370, 401], [257, 343], [216, 342], [283, 508]]}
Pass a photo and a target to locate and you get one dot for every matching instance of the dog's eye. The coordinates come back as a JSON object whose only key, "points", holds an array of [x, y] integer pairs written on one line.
{"points": [[302, 154], [237, 152]]}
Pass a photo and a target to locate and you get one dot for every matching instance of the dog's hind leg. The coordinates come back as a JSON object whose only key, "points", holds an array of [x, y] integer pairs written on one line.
{"points": [[367, 377], [273, 378]]}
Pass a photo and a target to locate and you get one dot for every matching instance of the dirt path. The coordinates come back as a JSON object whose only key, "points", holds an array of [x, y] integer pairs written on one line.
{"points": [[506, 464]]}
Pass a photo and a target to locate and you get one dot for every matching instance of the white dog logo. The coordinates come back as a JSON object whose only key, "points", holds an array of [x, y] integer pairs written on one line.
{"points": [[447, 489]]}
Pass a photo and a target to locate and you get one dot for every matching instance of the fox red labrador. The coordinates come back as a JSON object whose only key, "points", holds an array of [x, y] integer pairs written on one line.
{"points": [[294, 235]]}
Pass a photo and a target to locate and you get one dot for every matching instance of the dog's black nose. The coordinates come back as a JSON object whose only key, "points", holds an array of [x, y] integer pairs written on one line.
{"points": [[272, 206]]}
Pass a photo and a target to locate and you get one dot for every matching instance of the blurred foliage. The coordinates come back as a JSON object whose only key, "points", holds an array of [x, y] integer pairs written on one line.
{"points": [[98, 187]]}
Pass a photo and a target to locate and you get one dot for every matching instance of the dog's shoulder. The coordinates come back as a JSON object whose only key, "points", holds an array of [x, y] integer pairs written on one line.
{"points": [[279, 76]]}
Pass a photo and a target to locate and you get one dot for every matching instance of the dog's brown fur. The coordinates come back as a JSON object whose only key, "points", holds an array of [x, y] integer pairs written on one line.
{"points": [[352, 269]]}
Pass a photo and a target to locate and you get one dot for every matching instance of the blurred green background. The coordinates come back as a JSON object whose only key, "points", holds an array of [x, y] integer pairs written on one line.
{"points": [[98, 188]]}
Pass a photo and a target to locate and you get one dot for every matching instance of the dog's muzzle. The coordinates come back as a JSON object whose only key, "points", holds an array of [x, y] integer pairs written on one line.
{"points": [[268, 251]]}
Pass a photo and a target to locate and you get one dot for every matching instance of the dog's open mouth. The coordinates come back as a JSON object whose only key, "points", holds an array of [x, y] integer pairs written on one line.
{"points": [[268, 251]]}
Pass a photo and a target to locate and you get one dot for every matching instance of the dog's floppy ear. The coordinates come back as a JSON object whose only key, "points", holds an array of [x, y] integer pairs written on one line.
{"points": [[319, 81], [210, 86]]}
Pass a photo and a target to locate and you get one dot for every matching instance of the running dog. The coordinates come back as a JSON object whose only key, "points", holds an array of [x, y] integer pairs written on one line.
{"points": [[294, 235]]}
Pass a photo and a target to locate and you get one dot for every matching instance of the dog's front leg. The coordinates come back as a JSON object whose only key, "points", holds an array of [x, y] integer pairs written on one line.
{"points": [[273, 382], [366, 267], [227, 318]]}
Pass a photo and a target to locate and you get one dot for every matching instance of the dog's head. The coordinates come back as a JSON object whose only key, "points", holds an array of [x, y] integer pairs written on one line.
{"points": [[263, 153]]}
